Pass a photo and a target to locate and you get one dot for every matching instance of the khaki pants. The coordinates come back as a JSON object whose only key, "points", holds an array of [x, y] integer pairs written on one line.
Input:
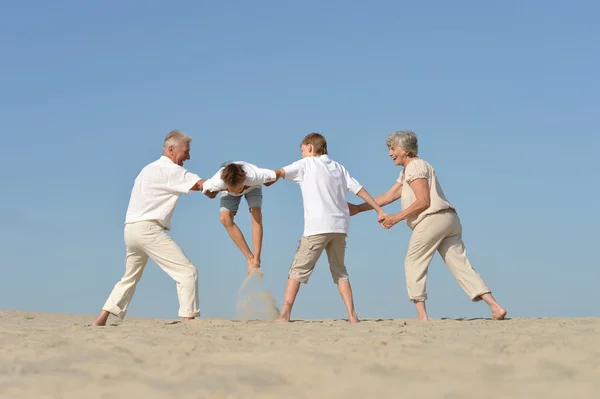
{"points": [[309, 251], [145, 240], [442, 232]]}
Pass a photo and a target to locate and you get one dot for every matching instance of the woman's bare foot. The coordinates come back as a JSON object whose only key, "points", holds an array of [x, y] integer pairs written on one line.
{"points": [[189, 318], [421, 311], [498, 312], [353, 318], [101, 319]]}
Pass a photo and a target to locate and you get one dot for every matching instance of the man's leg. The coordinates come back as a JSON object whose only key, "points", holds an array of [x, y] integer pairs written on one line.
{"points": [[122, 293], [336, 253], [167, 254], [307, 255], [229, 207], [254, 199]]}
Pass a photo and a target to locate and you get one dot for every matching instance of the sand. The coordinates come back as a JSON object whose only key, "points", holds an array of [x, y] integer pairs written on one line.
{"points": [[44, 355]]}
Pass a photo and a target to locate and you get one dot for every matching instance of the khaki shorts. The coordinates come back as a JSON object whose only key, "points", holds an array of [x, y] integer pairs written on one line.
{"points": [[309, 251]]}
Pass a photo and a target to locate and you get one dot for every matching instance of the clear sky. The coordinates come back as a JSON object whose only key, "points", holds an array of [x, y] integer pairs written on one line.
{"points": [[503, 95]]}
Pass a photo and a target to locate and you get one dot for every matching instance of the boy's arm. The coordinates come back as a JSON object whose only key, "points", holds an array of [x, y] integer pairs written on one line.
{"points": [[364, 194], [393, 194], [213, 185], [279, 174]]}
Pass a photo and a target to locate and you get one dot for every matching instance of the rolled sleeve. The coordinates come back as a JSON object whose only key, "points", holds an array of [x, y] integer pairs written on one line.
{"points": [[181, 180]]}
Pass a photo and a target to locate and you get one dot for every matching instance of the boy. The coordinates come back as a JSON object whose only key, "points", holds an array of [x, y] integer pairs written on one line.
{"points": [[237, 179], [324, 184]]}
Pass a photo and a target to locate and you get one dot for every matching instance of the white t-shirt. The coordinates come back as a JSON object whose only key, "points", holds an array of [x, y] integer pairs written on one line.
{"points": [[420, 169], [156, 191], [255, 177], [324, 184]]}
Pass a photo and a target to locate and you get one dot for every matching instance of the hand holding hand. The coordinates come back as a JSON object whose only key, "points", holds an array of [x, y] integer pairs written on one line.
{"points": [[270, 183], [387, 221], [353, 209], [211, 194]]}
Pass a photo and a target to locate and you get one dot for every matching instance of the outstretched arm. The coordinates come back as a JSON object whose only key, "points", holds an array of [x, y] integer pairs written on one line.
{"points": [[364, 194], [390, 196], [279, 174]]}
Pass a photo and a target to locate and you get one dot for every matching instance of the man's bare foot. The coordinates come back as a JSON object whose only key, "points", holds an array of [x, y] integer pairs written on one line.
{"points": [[423, 317], [101, 319], [498, 313], [188, 318]]}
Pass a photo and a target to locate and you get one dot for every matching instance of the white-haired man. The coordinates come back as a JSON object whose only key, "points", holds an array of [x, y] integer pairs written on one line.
{"points": [[153, 199]]}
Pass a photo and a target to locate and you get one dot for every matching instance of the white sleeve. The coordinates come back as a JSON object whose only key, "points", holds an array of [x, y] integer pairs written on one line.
{"points": [[214, 184], [353, 186], [259, 176], [295, 171], [181, 180]]}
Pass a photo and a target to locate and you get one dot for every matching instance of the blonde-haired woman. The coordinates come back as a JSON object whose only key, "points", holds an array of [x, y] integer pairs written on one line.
{"points": [[435, 225]]}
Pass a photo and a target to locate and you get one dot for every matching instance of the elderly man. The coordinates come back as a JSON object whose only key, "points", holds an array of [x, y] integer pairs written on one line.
{"points": [[153, 199]]}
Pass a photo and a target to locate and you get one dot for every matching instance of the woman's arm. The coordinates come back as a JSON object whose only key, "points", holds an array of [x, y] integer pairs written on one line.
{"points": [[420, 187]]}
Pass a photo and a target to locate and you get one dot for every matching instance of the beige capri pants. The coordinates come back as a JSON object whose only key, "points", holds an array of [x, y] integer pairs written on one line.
{"points": [[310, 250], [441, 231]]}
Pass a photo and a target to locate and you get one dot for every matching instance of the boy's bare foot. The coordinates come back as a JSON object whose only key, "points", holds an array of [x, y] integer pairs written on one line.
{"points": [[353, 318], [101, 319], [283, 318]]}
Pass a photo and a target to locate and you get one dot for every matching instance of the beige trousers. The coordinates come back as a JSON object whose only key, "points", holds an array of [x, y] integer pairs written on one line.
{"points": [[145, 240], [442, 232], [310, 250]]}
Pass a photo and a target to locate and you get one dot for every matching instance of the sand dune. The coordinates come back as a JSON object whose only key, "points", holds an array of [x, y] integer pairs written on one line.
{"points": [[45, 355]]}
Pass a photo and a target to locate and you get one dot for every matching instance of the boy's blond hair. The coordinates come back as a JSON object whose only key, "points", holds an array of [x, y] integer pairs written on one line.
{"points": [[318, 142]]}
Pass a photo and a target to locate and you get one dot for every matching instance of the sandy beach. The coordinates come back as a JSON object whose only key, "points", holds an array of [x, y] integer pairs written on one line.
{"points": [[44, 355]]}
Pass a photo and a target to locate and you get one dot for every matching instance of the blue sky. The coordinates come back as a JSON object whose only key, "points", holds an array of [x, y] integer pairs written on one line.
{"points": [[503, 95]]}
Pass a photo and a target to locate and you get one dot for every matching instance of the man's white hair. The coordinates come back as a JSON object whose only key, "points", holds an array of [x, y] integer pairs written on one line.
{"points": [[175, 138]]}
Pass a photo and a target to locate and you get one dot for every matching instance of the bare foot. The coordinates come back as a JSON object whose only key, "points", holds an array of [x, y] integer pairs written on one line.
{"points": [[283, 318], [188, 318], [421, 311], [498, 313], [353, 318], [101, 319]]}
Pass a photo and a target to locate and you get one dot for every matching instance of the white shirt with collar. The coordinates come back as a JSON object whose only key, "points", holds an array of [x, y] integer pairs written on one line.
{"points": [[156, 191], [255, 177], [324, 184]]}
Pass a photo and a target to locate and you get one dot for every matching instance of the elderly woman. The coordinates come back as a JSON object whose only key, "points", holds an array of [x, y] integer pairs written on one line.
{"points": [[434, 223]]}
